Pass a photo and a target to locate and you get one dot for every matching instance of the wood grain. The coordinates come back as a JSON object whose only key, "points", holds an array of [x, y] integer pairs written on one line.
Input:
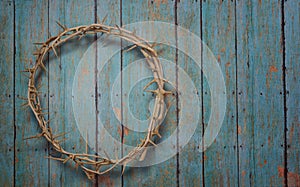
{"points": [[218, 20], [190, 159], [260, 88], [292, 59], [7, 93], [31, 25], [256, 44], [62, 71], [163, 174]]}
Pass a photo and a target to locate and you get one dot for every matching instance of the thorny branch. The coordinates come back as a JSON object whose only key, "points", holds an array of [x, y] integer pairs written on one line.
{"points": [[92, 164]]}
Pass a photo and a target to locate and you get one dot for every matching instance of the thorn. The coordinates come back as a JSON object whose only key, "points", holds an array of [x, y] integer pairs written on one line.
{"points": [[60, 134], [164, 92], [25, 104], [38, 43], [143, 155], [90, 175], [36, 53], [151, 91], [150, 141], [54, 51], [62, 26], [23, 98], [124, 167], [66, 159], [132, 47], [81, 36], [43, 66], [147, 85], [62, 140], [156, 131], [33, 137], [104, 19], [118, 28], [154, 45]]}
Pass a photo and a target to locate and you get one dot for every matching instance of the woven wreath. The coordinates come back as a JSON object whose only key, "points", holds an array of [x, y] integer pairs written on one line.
{"points": [[91, 164]]}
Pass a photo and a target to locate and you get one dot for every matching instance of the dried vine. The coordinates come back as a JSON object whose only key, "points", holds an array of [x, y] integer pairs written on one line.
{"points": [[92, 164]]}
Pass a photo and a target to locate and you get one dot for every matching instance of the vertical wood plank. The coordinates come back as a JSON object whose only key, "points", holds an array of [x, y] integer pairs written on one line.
{"points": [[220, 162], [245, 87], [262, 120], [163, 174], [292, 59], [62, 71], [31, 25], [7, 93], [190, 159], [106, 77]]}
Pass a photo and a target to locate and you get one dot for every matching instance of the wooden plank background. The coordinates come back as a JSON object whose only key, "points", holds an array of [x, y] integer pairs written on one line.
{"points": [[256, 44]]}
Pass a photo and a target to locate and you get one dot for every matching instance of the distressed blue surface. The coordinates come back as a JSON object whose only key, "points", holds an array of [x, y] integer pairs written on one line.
{"points": [[256, 44]]}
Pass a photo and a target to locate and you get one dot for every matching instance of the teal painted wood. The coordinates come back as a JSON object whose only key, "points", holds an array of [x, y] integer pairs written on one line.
{"points": [[7, 93], [190, 159], [262, 122], [31, 25], [292, 59], [245, 102], [106, 77], [163, 174], [62, 71], [259, 132], [220, 164]]}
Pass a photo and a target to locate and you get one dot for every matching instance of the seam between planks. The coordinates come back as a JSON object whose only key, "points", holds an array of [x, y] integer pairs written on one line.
{"points": [[121, 67], [284, 91], [236, 96], [202, 91], [48, 90], [176, 83], [14, 90], [96, 86]]}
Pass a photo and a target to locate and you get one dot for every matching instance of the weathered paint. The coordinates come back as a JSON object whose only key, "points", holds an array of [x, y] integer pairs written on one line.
{"points": [[190, 159], [292, 59], [31, 25], [260, 88], [252, 41], [163, 174], [218, 26], [7, 93]]}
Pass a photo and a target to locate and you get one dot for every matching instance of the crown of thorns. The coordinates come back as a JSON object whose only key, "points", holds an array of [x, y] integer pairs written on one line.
{"points": [[92, 164]]}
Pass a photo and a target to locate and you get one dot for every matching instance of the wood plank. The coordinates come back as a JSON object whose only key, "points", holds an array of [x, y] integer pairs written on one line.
{"points": [[190, 159], [31, 25], [262, 120], [292, 59], [245, 99], [220, 163], [163, 174], [106, 78], [62, 72], [7, 93]]}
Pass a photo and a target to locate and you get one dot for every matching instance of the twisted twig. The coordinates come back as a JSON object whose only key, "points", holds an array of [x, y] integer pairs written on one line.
{"points": [[85, 161]]}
